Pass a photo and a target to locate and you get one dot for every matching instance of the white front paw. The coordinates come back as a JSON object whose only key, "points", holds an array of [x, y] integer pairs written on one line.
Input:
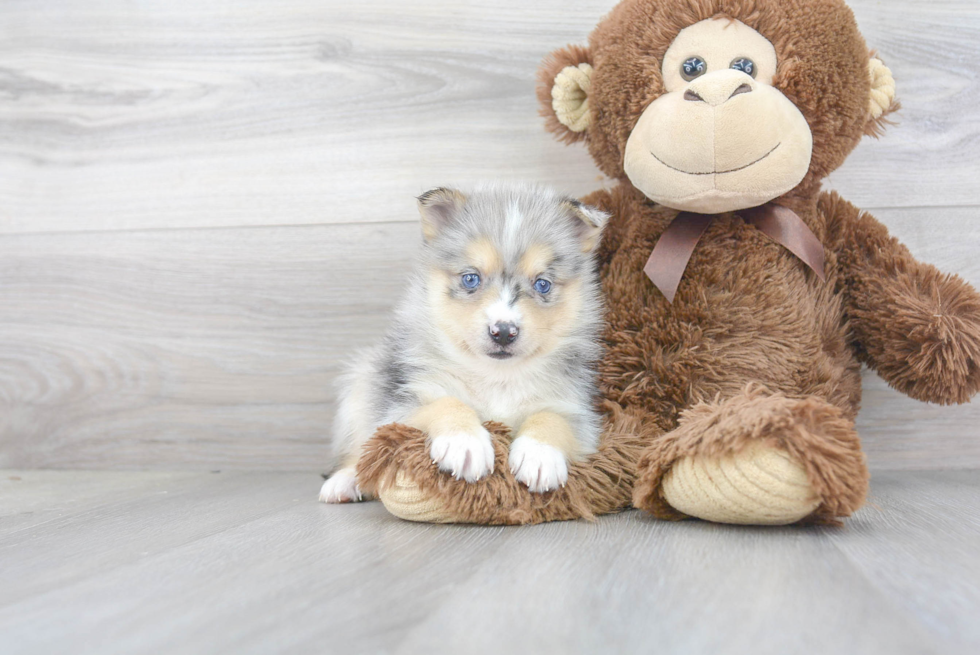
{"points": [[540, 466], [341, 487], [467, 456]]}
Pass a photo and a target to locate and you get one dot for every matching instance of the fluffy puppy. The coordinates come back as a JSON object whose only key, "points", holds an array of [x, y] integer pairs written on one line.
{"points": [[500, 322]]}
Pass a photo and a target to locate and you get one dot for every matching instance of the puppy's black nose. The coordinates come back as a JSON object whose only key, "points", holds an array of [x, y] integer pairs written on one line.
{"points": [[504, 333]]}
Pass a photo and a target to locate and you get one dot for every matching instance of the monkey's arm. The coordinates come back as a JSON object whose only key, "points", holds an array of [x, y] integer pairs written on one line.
{"points": [[917, 327]]}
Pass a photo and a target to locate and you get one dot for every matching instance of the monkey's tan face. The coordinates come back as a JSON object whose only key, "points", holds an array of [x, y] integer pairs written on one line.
{"points": [[721, 138]]}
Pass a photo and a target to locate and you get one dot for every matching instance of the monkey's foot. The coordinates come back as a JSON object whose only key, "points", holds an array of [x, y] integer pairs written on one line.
{"points": [[759, 485], [757, 458], [405, 499]]}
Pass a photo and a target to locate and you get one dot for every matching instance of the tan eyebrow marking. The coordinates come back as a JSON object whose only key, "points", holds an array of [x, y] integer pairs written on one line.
{"points": [[484, 256], [536, 259]]}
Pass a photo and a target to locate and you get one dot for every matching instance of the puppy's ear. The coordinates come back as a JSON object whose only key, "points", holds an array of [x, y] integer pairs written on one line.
{"points": [[564, 82], [588, 222], [439, 207]]}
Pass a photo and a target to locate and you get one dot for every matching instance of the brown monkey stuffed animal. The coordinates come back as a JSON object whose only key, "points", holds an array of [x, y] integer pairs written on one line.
{"points": [[742, 300]]}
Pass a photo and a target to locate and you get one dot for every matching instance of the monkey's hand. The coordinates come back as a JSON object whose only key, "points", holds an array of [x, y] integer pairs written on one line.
{"points": [[917, 327]]}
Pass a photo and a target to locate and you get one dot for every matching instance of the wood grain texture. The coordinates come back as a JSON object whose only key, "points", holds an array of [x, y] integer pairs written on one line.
{"points": [[134, 335], [171, 113], [206, 349], [144, 574], [181, 509], [917, 540], [29, 499], [218, 348]]}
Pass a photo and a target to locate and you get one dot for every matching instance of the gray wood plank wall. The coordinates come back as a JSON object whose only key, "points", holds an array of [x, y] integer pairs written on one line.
{"points": [[204, 206]]}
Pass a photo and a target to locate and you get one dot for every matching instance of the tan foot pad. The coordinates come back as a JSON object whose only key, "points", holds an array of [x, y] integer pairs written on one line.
{"points": [[405, 500], [761, 485]]}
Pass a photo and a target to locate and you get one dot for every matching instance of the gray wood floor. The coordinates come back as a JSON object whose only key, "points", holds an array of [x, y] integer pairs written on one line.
{"points": [[224, 562]]}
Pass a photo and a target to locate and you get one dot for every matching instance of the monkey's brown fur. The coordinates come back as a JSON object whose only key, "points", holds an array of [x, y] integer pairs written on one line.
{"points": [[754, 346], [599, 485]]}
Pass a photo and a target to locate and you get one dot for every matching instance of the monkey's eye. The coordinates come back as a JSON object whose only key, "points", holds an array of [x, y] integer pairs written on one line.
{"points": [[471, 280], [542, 285], [693, 67], [747, 66]]}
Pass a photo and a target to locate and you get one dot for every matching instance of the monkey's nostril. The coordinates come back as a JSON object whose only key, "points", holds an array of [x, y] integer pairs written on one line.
{"points": [[692, 96], [743, 88]]}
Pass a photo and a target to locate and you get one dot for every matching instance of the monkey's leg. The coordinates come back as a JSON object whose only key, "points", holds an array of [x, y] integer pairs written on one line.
{"points": [[756, 458], [396, 467]]}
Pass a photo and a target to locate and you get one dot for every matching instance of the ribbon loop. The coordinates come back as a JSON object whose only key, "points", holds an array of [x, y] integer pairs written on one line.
{"points": [[674, 248]]}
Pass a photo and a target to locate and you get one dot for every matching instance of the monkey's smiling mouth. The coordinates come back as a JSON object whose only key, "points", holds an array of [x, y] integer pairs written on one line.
{"points": [[731, 170]]}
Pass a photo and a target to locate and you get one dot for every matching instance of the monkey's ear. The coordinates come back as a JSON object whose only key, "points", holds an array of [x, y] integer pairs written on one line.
{"points": [[589, 222], [439, 207], [564, 82], [882, 101]]}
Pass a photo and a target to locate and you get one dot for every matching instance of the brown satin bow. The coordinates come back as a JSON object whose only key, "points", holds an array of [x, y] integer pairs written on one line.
{"points": [[676, 245]]}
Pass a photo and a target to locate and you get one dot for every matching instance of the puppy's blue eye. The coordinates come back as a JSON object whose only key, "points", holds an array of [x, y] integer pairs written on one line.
{"points": [[471, 280], [542, 286]]}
